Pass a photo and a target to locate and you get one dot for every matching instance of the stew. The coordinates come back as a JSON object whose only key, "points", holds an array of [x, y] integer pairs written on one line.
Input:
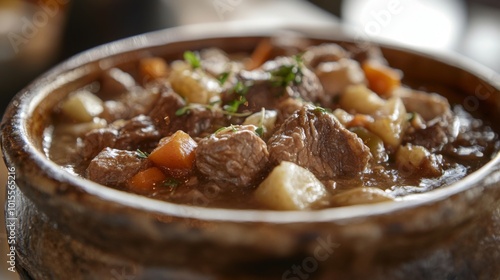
{"points": [[285, 127]]}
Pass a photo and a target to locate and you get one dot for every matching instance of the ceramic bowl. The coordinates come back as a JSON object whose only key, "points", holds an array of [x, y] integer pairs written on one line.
{"points": [[71, 228]]}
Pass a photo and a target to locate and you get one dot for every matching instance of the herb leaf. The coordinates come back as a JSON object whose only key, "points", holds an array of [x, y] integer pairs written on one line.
{"points": [[171, 183], [193, 59], [234, 105], [141, 154], [182, 111], [287, 75], [223, 78], [259, 131]]}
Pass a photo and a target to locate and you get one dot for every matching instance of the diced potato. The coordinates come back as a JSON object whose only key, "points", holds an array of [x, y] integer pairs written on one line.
{"points": [[361, 100], [342, 116], [390, 122], [193, 85], [266, 119], [82, 106], [364, 195], [290, 187], [413, 159], [336, 76]]}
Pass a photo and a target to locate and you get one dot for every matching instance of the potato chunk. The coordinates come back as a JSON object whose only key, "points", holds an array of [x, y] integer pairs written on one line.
{"points": [[290, 187], [82, 106]]}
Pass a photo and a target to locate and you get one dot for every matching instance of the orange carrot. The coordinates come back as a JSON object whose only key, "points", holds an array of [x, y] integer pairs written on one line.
{"points": [[175, 152], [360, 120], [381, 78], [147, 180], [153, 68], [260, 55]]}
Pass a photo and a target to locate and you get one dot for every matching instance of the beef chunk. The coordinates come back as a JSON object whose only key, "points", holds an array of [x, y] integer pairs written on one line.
{"points": [[235, 155], [164, 110], [130, 104], [309, 88], [287, 107], [137, 133], [435, 135], [199, 121], [315, 140], [112, 167], [196, 121]]}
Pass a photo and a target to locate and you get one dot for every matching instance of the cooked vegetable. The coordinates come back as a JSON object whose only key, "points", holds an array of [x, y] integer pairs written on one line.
{"points": [[290, 187], [153, 68], [265, 120], [192, 84], [390, 122], [359, 99], [373, 142], [175, 152], [417, 160], [82, 106], [147, 180], [381, 78]]}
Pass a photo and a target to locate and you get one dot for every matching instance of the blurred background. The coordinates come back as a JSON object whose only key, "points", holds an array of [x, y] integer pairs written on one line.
{"points": [[37, 34]]}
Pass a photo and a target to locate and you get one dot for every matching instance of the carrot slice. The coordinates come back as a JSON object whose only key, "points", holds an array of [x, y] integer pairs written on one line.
{"points": [[260, 55], [381, 78], [153, 68], [175, 152], [147, 180]]}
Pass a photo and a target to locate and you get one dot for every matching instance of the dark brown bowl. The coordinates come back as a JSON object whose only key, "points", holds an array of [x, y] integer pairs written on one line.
{"points": [[71, 228]]}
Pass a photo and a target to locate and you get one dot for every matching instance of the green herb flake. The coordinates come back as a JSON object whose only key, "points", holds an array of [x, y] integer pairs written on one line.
{"points": [[171, 183], [320, 110], [259, 131], [234, 105], [193, 59], [223, 78], [287, 75], [141, 154], [182, 111]]}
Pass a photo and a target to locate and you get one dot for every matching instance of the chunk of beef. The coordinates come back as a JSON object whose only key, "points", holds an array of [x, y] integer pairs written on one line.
{"points": [[199, 121], [435, 135], [429, 105], [164, 110], [115, 82], [287, 107], [315, 140], [235, 155], [309, 88], [112, 167], [137, 133], [130, 104]]}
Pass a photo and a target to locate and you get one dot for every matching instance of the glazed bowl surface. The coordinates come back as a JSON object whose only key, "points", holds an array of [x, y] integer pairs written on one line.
{"points": [[97, 232]]}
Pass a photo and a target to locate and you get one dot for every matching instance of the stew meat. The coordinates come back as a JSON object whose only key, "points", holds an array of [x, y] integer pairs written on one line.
{"points": [[289, 128]]}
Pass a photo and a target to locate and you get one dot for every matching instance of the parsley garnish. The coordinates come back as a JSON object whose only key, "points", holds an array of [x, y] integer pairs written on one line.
{"points": [[260, 129], [182, 111], [223, 78], [171, 183], [320, 110], [234, 105], [288, 74], [193, 59], [141, 154]]}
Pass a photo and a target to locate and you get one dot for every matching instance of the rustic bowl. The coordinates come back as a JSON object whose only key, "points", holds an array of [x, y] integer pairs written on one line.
{"points": [[71, 228]]}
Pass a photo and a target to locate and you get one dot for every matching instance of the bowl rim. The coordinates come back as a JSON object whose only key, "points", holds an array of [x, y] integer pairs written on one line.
{"points": [[26, 101]]}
